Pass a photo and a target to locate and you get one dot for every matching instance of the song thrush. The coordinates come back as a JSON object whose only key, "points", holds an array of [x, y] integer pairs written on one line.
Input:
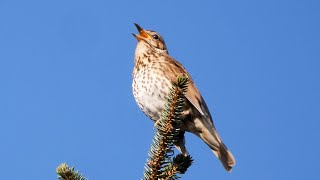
{"points": [[153, 72]]}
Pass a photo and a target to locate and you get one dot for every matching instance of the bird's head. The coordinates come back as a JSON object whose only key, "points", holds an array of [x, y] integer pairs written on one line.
{"points": [[151, 38]]}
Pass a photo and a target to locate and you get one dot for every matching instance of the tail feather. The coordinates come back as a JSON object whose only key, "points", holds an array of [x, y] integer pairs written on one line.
{"points": [[225, 157], [213, 140]]}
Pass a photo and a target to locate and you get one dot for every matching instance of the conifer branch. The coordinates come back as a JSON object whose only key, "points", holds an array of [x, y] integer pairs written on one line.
{"points": [[65, 173], [179, 165], [160, 165]]}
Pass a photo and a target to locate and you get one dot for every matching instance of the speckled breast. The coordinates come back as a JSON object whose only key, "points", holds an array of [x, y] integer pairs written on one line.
{"points": [[150, 88]]}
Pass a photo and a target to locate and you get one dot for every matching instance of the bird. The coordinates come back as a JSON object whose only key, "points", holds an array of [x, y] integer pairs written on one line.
{"points": [[152, 76]]}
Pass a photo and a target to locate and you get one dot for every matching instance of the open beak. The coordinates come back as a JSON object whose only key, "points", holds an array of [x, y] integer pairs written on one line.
{"points": [[143, 35]]}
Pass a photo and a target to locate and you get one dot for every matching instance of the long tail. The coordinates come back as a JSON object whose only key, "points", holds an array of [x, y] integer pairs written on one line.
{"points": [[210, 136], [225, 157]]}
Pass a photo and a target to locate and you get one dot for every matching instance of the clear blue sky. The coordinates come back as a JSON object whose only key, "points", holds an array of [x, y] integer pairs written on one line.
{"points": [[65, 85]]}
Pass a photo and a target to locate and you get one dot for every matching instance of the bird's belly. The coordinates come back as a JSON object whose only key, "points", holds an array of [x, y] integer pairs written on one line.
{"points": [[150, 91]]}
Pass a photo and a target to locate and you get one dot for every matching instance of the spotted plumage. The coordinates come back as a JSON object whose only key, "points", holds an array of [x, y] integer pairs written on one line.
{"points": [[153, 73]]}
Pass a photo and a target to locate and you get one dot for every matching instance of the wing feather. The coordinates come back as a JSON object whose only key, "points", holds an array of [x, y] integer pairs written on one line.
{"points": [[193, 94]]}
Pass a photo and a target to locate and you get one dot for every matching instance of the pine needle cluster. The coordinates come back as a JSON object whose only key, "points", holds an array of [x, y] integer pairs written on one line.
{"points": [[66, 173], [161, 165]]}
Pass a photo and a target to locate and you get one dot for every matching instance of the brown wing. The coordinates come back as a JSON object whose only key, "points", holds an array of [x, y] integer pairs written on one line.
{"points": [[193, 95]]}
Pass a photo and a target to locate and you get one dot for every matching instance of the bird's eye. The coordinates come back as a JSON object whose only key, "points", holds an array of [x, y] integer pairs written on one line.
{"points": [[155, 36]]}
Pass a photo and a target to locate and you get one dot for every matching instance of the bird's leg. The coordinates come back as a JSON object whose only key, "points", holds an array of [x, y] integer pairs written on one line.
{"points": [[180, 144]]}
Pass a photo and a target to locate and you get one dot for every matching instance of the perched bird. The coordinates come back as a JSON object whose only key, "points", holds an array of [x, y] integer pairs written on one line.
{"points": [[153, 72]]}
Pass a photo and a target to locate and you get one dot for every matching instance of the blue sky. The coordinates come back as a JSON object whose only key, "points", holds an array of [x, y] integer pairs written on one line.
{"points": [[65, 85]]}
